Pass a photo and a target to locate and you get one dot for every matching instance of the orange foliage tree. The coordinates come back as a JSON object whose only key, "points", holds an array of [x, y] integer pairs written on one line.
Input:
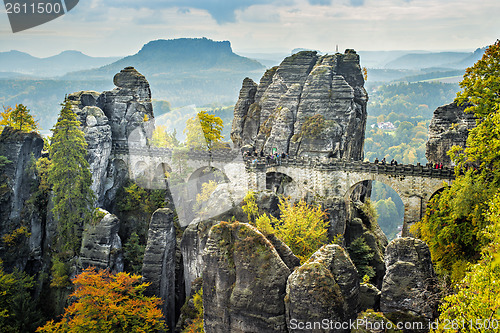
{"points": [[105, 302]]}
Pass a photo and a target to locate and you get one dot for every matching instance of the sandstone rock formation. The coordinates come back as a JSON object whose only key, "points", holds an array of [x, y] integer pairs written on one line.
{"points": [[369, 297], [101, 245], [16, 181], [244, 281], [449, 126], [309, 105], [359, 224], [159, 261], [121, 117], [97, 131], [326, 286], [194, 239], [407, 289], [128, 107]]}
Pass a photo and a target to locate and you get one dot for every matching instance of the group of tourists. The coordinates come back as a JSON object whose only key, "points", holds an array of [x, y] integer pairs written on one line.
{"points": [[271, 158], [384, 162], [435, 165]]}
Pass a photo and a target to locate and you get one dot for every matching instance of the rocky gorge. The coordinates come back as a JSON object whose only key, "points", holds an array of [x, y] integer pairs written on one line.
{"points": [[308, 106]]}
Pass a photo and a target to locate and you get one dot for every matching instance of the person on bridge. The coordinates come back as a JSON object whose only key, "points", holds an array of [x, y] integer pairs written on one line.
{"points": [[376, 161], [383, 161]]}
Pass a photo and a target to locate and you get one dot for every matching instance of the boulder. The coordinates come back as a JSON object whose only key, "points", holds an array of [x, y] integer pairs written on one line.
{"points": [[244, 281], [101, 244], [326, 286], [408, 287], [309, 105], [313, 295], [369, 297], [159, 261]]}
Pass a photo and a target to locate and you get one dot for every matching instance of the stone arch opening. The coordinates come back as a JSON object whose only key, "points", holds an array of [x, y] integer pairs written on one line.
{"points": [[162, 171], [278, 182], [206, 174], [436, 193], [390, 209], [386, 201], [140, 169]]}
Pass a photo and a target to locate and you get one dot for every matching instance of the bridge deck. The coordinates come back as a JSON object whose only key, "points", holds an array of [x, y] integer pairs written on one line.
{"points": [[260, 163]]}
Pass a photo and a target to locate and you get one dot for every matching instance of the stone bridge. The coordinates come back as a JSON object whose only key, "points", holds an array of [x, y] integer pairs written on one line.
{"points": [[294, 177]]}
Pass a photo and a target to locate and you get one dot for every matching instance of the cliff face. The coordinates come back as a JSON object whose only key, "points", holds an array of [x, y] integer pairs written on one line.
{"points": [[16, 182], [449, 126], [121, 116], [309, 105]]}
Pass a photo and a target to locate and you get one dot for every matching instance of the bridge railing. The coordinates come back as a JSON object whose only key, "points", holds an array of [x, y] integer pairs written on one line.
{"points": [[221, 155], [332, 164], [261, 163]]}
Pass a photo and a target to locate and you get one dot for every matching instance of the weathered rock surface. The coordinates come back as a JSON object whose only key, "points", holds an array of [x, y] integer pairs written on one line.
{"points": [[407, 289], [326, 286], [374, 322], [369, 297], [122, 117], [450, 126], [359, 224], [337, 260], [128, 106], [279, 112], [193, 243], [21, 149], [244, 281], [97, 131], [159, 261], [101, 245], [285, 253]]}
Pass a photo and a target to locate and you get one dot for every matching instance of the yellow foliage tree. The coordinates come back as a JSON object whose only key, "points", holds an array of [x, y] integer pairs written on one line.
{"points": [[161, 138], [18, 118], [107, 303], [204, 131], [302, 227]]}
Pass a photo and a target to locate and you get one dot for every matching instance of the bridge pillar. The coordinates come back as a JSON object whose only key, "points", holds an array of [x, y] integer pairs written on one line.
{"points": [[414, 211], [256, 179]]}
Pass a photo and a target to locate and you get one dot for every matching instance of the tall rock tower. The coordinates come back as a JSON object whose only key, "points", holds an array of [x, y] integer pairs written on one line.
{"points": [[309, 105]]}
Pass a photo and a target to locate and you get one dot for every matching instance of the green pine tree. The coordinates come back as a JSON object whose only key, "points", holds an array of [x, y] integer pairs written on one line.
{"points": [[71, 179]]}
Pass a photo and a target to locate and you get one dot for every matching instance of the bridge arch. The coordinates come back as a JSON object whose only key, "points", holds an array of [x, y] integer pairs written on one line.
{"points": [[162, 171], [415, 193], [205, 174], [141, 169], [278, 182]]}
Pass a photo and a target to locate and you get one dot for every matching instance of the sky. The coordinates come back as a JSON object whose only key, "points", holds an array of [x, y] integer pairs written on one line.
{"points": [[121, 27]]}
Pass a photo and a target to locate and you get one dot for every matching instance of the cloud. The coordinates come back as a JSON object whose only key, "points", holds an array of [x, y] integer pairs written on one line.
{"points": [[357, 3], [320, 2], [223, 11]]}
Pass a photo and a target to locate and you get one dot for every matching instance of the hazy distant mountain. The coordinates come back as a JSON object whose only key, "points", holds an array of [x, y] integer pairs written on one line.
{"points": [[435, 59], [178, 57], [64, 62], [185, 71], [471, 59]]}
